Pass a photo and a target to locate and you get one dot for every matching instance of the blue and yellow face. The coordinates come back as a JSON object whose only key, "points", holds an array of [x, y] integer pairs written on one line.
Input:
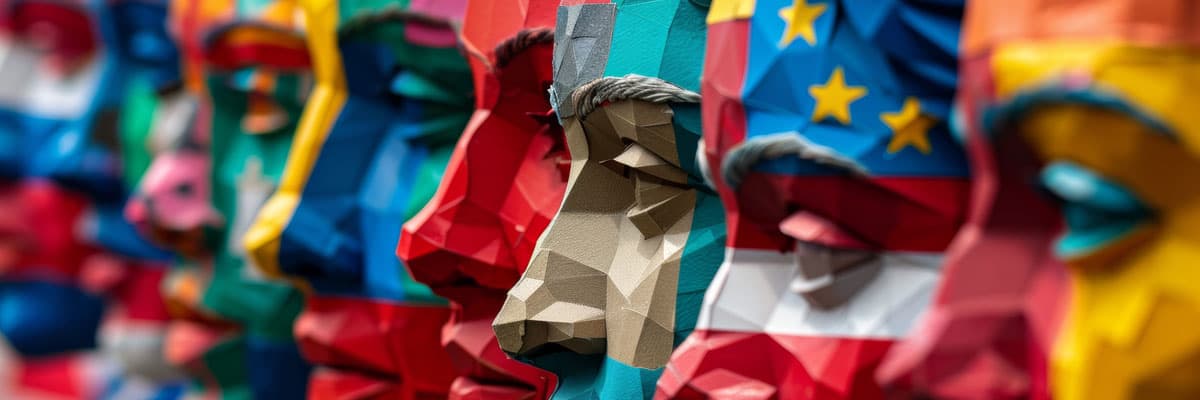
{"points": [[393, 93], [605, 314], [403, 97]]}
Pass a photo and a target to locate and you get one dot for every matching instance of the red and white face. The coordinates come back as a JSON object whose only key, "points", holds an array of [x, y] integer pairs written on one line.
{"points": [[502, 186], [841, 187]]}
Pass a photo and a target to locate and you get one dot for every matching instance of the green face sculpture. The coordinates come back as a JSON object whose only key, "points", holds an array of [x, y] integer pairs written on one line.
{"points": [[257, 78]]}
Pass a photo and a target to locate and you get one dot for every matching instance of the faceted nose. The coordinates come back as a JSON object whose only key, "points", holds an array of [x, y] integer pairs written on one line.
{"points": [[558, 304], [441, 250]]}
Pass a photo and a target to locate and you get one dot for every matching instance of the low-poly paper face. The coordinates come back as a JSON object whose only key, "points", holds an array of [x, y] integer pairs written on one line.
{"points": [[43, 257], [172, 202], [616, 279], [827, 137], [256, 74], [135, 327], [70, 247], [59, 88], [503, 184], [393, 94], [1104, 108]]}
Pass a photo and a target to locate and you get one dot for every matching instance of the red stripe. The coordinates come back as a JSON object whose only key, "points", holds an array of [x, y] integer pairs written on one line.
{"points": [[720, 364], [233, 56], [896, 214]]}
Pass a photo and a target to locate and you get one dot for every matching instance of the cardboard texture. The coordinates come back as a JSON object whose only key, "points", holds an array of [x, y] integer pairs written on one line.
{"points": [[1036, 79], [393, 93], [825, 135], [614, 282], [502, 185]]}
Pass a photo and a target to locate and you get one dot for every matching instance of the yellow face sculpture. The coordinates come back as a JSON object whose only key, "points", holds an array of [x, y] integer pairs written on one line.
{"points": [[1111, 117]]}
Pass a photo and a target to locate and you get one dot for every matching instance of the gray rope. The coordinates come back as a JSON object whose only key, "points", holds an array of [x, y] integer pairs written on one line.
{"points": [[629, 87], [738, 162]]}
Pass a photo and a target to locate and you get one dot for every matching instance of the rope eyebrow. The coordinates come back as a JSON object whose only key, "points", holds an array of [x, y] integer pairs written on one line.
{"points": [[740, 159], [591, 95], [366, 20], [526, 38]]}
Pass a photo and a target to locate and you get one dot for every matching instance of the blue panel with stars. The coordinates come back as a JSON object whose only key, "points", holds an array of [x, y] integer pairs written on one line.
{"points": [[872, 80]]}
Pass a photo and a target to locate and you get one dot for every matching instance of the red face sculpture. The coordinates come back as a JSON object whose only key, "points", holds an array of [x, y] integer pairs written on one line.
{"points": [[502, 186]]}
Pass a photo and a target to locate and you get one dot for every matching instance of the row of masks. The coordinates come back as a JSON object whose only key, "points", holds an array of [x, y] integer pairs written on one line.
{"points": [[595, 199]]}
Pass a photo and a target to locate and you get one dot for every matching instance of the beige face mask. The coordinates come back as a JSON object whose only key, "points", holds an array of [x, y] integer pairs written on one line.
{"points": [[603, 277]]}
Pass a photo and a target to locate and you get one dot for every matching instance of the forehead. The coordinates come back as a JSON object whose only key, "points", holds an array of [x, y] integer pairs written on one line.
{"points": [[1096, 56], [355, 15], [488, 23], [864, 79], [661, 39]]}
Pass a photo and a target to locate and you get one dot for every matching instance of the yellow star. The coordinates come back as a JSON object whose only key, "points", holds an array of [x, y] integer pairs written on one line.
{"points": [[909, 127], [834, 97], [800, 18]]}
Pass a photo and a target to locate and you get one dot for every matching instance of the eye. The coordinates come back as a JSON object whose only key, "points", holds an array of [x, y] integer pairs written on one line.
{"points": [[1098, 212], [1079, 186], [548, 127]]}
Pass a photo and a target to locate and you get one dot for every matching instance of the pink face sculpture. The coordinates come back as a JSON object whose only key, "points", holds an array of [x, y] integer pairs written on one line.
{"points": [[172, 201]]}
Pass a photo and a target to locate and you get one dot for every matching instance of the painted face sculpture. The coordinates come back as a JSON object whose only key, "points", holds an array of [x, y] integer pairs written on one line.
{"points": [[55, 64], [1064, 93], [172, 203], [842, 186], [43, 259], [235, 338], [134, 331], [47, 353], [393, 94], [503, 184], [616, 279], [69, 245]]}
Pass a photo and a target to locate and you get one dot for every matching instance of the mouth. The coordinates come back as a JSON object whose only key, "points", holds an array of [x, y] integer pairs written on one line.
{"points": [[832, 263], [189, 342], [359, 339], [808, 227]]}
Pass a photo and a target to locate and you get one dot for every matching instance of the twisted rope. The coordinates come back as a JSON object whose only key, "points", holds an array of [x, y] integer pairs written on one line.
{"points": [[738, 162], [526, 38], [629, 87], [368, 19]]}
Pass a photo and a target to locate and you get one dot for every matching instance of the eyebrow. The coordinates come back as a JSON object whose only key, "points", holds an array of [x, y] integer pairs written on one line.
{"points": [[508, 50], [366, 21], [997, 119], [214, 36], [741, 159], [589, 96]]}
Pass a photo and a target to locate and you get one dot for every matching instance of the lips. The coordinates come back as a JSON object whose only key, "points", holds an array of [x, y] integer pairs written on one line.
{"points": [[809, 227], [187, 343], [368, 346]]}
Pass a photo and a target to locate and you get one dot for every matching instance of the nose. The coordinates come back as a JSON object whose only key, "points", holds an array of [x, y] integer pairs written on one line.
{"points": [[828, 277], [292, 237], [441, 249], [177, 182], [559, 303]]}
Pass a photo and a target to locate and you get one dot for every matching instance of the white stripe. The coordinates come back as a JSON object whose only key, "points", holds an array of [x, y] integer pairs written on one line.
{"points": [[752, 293]]}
